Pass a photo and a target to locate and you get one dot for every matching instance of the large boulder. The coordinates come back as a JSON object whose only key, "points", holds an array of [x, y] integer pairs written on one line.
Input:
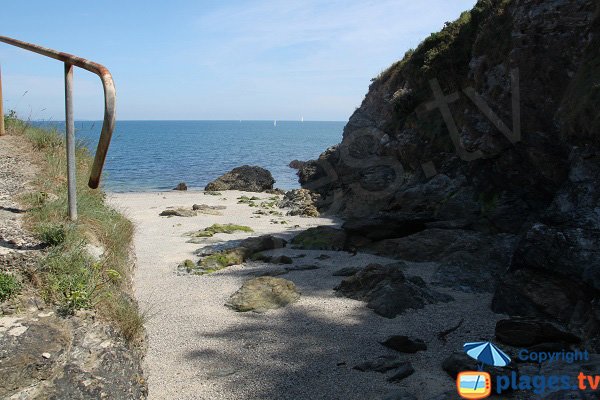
{"points": [[262, 294], [245, 178], [388, 291]]}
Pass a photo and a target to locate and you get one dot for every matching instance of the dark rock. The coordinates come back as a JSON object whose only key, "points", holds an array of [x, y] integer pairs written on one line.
{"points": [[346, 271], [262, 294], [281, 260], [458, 362], [320, 238], [301, 202], [387, 291], [303, 267], [296, 164], [275, 191], [380, 364], [263, 243], [181, 186], [323, 257], [245, 178], [404, 371], [404, 344], [525, 332]]}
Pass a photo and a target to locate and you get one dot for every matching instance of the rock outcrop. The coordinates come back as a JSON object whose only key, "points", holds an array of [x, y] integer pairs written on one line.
{"points": [[480, 150], [246, 178]]}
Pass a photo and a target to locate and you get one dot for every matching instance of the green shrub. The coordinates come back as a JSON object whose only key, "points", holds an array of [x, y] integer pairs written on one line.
{"points": [[9, 286]]}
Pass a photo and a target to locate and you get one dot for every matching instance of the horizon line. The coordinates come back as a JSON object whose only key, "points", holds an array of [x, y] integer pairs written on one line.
{"points": [[193, 120]]}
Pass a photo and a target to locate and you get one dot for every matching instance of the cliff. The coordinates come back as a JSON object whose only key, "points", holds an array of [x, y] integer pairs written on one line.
{"points": [[480, 149]]}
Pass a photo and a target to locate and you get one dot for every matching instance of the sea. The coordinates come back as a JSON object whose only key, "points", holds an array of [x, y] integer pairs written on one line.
{"points": [[157, 155]]}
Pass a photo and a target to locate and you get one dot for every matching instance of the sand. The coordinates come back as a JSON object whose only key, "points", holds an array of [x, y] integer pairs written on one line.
{"points": [[200, 349]]}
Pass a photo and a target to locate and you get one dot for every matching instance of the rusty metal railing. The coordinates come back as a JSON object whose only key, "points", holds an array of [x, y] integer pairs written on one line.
{"points": [[108, 124]]}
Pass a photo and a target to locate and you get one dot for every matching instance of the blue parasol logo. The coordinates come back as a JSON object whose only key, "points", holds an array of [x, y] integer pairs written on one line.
{"points": [[486, 353]]}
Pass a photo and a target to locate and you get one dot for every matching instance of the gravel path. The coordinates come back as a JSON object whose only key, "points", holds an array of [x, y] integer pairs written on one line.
{"points": [[199, 349]]}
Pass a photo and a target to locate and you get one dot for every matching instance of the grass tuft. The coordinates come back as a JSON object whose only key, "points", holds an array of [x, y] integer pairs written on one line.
{"points": [[9, 286]]}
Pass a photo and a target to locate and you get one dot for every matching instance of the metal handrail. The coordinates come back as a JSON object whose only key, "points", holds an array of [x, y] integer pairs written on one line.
{"points": [[108, 124]]}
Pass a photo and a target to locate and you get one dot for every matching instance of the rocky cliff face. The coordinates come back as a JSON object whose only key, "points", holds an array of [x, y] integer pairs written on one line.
{"points": [[488, 131]]}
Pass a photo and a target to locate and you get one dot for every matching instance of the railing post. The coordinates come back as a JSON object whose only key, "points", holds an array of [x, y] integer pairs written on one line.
{"points": [[1, 108], [70, 128]]}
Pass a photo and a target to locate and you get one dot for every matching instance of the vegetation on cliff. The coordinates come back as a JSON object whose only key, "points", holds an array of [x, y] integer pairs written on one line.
{"points": [[87, 264]]}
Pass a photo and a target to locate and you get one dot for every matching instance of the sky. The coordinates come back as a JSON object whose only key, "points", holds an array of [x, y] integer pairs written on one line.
{"points": [[212, 60]]}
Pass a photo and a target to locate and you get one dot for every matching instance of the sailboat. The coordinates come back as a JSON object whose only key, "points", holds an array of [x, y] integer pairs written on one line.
{"points": [[275, 123], [302, 118]]}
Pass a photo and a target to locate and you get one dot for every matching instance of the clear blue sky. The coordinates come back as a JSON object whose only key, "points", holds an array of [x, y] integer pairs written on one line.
{"points": [[223, 59]]}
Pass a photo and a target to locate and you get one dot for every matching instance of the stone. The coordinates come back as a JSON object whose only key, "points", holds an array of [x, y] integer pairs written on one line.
{"points": [[303, 267], [178, 212], [262, 294], [46, 355], [404, 344], [380, 364], [181, 186], [301, 202], [281, 260], [459, 361], [403, 371], [528, 332], [296, 164], [209, 210], [320, 238], [245, 178], [323, 257], [346, 271], [387, 291]]}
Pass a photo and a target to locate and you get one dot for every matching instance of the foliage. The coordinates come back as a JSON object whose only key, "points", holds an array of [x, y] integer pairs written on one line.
{"points": [[68, 275], [9, 286]]}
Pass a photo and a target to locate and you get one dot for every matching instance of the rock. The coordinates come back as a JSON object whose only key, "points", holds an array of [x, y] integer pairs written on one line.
{"points": [[178, 212], [404, 344], [303, 267], [380, 364], [218, 261], [346, 271], [46, 355], [181, 186], [404, 371], [263, 293], [245, 178], [206, 209], [320, 238], [301, 202], [323, 257], [458, 362], [219, 247], [387, 291], [526, 332], [276, 191], [263, 243], [187, 266], [419, 194], [296, 164], [281, 260]]}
